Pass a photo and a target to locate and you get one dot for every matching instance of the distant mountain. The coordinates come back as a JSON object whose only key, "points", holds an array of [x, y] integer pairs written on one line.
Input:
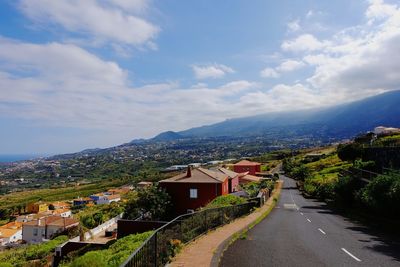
{"points": [[167, 136], [342, 121]]}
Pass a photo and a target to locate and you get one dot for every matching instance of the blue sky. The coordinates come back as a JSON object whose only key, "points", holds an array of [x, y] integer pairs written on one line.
{"points": [[96, 73]]}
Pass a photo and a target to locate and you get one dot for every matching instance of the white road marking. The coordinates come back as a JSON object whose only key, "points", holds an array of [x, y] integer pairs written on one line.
{"points": [[351, 255], [301, 213], [291, 195], [308, 220], [290, 206], [319, 229]]}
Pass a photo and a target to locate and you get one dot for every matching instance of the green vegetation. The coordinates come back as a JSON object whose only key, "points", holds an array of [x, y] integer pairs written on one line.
{"points": [[152, 203], [8, 202], [226, 200], [353, 177], [30, 255], [114, 255], [90, 217], [382, 194], [254, 187], [391, 140]]}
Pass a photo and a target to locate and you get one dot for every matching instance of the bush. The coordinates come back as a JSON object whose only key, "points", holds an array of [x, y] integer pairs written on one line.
{"points": [[382, 194], [23, 255], [226, 200], [114, 255], [152, 203], [349, 152], [346, 189], [301, 173]]}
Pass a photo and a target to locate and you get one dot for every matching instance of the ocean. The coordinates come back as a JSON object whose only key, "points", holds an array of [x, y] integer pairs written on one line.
{"points": [[11, 158]]}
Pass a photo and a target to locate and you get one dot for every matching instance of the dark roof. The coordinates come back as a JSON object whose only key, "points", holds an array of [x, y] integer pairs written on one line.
{"points": [[198, 175]]}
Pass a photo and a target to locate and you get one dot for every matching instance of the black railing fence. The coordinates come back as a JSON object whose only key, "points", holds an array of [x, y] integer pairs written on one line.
{"points": [[160, 247]]}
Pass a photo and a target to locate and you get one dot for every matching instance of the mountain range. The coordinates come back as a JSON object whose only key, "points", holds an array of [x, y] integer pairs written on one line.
{"points": [[337, 122]]}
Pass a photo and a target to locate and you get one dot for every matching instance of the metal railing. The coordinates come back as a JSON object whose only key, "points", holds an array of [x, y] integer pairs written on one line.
{"points": [[162, 245]]}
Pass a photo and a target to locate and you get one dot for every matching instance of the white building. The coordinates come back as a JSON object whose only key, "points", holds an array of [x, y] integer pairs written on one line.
{"points": [[8, 236], [385, 130], [39, 230], [10, 233], [105, 199]]}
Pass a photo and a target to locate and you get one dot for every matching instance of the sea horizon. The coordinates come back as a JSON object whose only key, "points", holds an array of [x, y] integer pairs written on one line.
{"points": [[7, 158]]}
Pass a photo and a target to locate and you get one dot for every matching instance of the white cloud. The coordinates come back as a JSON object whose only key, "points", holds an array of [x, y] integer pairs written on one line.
{"points": [[286, 66], [290, 65], [305, 42], [211, 71], [112, 21], [362, 60], [293, 26], [269, 73], [310, 13], [379, 10]]}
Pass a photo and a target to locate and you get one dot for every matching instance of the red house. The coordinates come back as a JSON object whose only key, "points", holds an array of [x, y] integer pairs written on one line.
{"points": [[247, 166], [233, 183], [195, 188]]}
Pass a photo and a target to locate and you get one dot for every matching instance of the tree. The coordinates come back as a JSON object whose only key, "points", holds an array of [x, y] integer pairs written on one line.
{"points": [[349, 152], [301, 172], [152, 203]]}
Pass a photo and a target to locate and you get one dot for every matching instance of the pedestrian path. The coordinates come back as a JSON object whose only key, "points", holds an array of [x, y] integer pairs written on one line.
{"points": [[206, 250]]}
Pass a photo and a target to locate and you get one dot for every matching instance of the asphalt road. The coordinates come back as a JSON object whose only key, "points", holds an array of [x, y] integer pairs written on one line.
{"points": [[305, 232]]}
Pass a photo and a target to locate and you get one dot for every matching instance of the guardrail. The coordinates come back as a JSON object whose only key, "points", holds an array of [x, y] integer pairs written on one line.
{"points": [[160, 247]]}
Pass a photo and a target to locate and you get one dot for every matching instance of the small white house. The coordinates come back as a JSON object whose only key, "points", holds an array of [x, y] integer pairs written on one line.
{"points": [[8, 236], [105, 199], [39, 230]]}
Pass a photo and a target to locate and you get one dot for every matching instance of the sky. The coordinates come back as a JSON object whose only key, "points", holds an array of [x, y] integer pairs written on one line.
{"points": [[97, 73]]}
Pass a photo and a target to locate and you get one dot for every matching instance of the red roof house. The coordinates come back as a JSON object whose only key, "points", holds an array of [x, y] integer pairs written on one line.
{"points": [[233, 183], [247, 166], [195, 188]]}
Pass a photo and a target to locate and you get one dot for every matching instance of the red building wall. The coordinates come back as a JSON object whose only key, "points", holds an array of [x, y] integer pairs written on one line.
{"points": [[252, 169], [180, 194]]}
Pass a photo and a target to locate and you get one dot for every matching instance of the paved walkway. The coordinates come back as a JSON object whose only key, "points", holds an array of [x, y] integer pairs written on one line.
{"points": [[206, 250]]}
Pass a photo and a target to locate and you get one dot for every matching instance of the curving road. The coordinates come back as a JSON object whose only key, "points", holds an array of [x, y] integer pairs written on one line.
{"points": [[304, 232]]}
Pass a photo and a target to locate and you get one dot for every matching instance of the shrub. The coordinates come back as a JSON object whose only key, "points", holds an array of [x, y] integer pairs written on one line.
{"points": [[226, 200], [382, 194], [114, 255], [152, 203]]}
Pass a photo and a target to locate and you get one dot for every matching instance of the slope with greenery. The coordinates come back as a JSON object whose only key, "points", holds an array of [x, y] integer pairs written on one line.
{"points": [[353, 177], [114, 255], [31, 255]]}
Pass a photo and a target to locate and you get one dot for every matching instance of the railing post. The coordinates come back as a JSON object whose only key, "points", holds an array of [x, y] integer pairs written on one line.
{"points": [[205, 221], [155, 249]]}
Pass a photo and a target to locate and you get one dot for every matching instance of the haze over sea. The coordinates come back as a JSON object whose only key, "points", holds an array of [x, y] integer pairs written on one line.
{"points": [[15, 157]]}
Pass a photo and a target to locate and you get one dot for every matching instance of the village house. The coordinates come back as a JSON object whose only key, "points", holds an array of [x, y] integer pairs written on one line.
{"points": [[247, 166], [233, 184], [195, 188], [105, 198], [245, 178], [37, 207], [144, 184], [39, 230], [82, 201], [10, 233]]}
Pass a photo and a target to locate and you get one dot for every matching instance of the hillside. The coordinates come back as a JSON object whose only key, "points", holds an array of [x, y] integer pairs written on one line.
{"points": [[342, 121]]}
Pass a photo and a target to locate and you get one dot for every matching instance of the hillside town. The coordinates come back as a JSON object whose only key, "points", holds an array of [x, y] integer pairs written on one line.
{"points": [[189, 191]]}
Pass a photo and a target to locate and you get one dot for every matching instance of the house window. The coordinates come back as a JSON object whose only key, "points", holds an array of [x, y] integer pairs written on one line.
{"points": [[35, 231], [193, 193]]}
